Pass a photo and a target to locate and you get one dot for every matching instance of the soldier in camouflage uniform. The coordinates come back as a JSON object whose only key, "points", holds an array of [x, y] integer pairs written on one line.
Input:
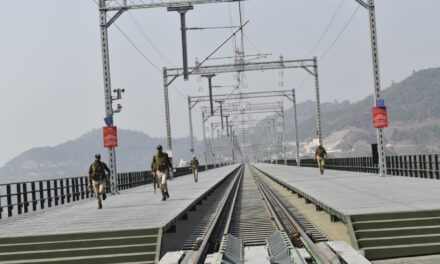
{"points": [[97, 178], [160, 167], [195, 168], [320, 156]]}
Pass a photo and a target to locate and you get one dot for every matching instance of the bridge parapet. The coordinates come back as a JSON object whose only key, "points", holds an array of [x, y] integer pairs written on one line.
{"points": [[419, 166], [24, 197]]}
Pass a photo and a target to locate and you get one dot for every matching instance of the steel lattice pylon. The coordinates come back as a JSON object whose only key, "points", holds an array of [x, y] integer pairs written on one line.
{"points": [[169, 75], [369, 5], [237, 109], [235, 127], [109, 12]]}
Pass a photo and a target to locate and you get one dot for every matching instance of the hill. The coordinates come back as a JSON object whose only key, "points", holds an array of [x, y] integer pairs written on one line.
{"points": [[73, 157], [413, 113]]}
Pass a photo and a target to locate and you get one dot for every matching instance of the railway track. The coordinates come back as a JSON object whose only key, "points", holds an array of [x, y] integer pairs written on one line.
{"points": [[251, 220], [250, 216]]}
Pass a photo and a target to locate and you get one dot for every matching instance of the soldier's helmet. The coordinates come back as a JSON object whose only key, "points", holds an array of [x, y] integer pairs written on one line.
{"points": [[98, 156], [159, 147]]}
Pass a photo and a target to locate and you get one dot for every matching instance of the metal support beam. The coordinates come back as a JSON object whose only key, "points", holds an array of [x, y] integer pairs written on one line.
{"points": [[210, 76], [204, 141], [242, 96], [248, 122], [232, 142], [283, 143], [376, 75], [318, 103], [184, 46], [214, 158], [362, 3], [227, 125], [107, 91], [114, 5], [298, 160], [221, 111], [114, 17], [167, 114], [238, 67], [191, 132], [254, 109], [182, 11], [377, 88]]}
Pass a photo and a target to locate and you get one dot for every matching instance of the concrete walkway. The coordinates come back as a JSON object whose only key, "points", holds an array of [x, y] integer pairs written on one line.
{"points": [[352, 193], [137, 208]]}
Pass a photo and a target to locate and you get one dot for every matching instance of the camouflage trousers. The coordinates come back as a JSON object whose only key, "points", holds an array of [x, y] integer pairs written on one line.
{"points": [[99, 189], [195, 174], [321, 163], [161, 178]]}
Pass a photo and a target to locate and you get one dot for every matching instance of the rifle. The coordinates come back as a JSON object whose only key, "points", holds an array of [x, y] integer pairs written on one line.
{"points": [[90, 186], [154, 181]]}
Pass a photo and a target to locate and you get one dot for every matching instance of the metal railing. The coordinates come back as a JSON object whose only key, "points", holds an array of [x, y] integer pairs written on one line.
{"points": [[419, 166], [23, 197]]}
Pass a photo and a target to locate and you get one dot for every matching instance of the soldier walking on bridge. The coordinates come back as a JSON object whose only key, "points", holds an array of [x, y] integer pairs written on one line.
{"points": [[320, 156], [195, 168], [97, 178], [160, 166]]}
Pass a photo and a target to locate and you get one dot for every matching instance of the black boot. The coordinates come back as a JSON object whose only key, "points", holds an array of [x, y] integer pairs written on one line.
{"points": [[168, 196], [99, 205], [164, 198], [104, 196]]}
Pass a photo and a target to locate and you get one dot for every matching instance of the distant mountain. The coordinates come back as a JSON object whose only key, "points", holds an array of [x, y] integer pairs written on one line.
{"points": [[73, 157], [413, 113]]}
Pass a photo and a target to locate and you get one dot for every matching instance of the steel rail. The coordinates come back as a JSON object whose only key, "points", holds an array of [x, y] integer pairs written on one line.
{"points": [[232, 206], [197, 257], [277, 210], [281, 209], [250, 218]]}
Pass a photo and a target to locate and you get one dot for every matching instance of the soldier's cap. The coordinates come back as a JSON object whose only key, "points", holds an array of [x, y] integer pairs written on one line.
{"points": [[159, 147], [98, 156], [194, 156]]}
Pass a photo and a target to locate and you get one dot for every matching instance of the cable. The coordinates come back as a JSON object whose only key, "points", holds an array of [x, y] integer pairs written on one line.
{"points": [[149, 40], [216, 49], [340, 33], [333, 43], [138, 49], [252, 44], [326, 29]]}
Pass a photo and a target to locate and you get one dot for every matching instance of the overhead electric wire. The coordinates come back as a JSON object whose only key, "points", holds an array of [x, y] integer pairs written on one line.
{"points": [[144, 34], [216, 49], [340, 34], [204, 28], [252, 44], [333, 43], [329, 24], [146, 58]]}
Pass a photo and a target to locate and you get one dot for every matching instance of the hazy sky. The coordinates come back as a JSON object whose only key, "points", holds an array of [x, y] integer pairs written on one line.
{"points": [[51, 72]]}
